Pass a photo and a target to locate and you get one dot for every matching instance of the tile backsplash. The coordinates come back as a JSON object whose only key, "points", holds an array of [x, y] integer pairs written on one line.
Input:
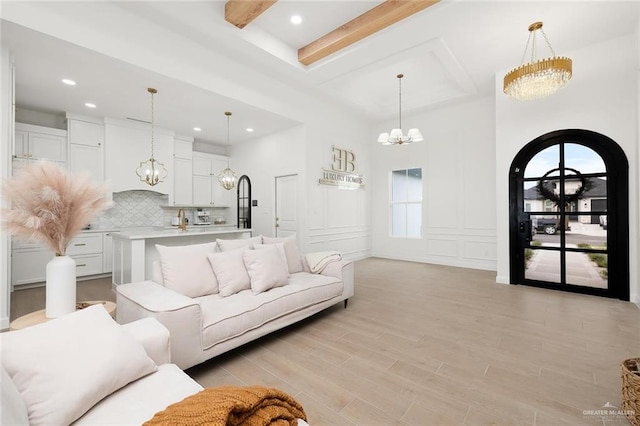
{"points": [[133, 208]]}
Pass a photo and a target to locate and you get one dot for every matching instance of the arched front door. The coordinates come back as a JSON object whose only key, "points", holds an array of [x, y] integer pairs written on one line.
{"points": [[569, 214]]}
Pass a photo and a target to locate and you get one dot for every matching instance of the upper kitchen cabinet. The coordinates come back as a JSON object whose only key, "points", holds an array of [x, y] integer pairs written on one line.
{"points": [[127, 144], [183, 172], [207, 191], [86, 147], [40, 143]]}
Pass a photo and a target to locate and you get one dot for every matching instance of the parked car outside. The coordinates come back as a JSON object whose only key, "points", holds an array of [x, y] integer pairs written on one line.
{"points": [[548, 226], [603, 221]]}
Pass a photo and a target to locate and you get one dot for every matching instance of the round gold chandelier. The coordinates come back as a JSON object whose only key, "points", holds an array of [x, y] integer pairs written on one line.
{"points": [[539, 77]]}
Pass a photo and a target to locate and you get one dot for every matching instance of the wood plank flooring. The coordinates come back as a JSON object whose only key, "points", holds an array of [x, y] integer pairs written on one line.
{"points": [[425, 344]]}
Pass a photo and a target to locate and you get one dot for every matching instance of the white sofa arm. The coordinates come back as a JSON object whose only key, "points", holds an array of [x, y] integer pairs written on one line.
{"points": [[154, 338], [180, 314], [344, 271]]}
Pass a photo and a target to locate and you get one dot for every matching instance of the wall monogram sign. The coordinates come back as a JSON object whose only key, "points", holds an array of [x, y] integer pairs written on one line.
{"points": [[343, 170]]}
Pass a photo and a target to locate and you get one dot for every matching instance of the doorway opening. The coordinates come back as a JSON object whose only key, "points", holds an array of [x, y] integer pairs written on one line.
{"points": [[569, 214], [286, 213], [244, 202]]}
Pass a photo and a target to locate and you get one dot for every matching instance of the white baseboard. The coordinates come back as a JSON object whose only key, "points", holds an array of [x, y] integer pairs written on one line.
{"points": [[4, 323], [500, 279]]}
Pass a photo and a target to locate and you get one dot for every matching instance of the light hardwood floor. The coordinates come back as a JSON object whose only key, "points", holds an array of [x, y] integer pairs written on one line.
{"points": [[423, 344]]}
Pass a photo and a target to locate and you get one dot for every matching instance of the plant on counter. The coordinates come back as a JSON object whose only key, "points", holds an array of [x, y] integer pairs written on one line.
{"points": [[50, 206]]}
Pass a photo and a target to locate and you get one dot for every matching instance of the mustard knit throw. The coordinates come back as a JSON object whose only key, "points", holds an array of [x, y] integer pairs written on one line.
{"points": [[230, 406]]}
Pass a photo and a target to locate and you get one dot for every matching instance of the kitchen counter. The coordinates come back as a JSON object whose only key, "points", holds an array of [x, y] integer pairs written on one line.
{"points": [[134, 249], [158, 232]]}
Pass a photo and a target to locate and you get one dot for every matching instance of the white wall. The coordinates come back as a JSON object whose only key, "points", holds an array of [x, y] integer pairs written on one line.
{"points": [[263, 159], [457, 159], [6, 140], [329, 218], [602, 96], [339, 219]]}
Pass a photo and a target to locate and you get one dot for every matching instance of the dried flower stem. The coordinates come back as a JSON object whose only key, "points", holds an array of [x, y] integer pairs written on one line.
{"points": [[50, 205]]}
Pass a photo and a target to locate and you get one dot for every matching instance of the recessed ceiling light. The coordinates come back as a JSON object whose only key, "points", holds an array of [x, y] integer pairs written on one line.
{"points": [[197, 129], [249, 129], [90, 105], [68, 82], [296, 19]]}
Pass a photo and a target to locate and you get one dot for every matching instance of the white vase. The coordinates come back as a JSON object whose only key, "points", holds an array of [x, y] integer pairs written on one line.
{"points": [[61, 286]]}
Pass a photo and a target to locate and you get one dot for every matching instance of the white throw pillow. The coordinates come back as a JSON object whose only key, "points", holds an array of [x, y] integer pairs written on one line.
{"points": [[63, 367], [279, 247], [185, 269], [294, 260], [267, 267], [230, 271], [227, 245], [13, 412]]}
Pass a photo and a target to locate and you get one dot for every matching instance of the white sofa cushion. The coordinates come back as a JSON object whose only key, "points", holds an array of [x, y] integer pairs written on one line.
{"points": [[230, 271], [267, 267], [185, 269], [139, 401], [63, 367], [228, 245], [294, 260], [14, 411], [226, 318]]}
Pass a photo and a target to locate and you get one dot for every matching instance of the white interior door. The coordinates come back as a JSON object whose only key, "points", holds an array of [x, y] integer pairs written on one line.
{"points": [[286, 205]]}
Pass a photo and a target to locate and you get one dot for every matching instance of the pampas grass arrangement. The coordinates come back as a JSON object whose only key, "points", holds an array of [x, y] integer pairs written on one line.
{"points": [[50, 205]]}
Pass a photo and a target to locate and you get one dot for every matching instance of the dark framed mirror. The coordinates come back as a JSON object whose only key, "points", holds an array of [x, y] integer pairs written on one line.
{"points": [[244, 202]]}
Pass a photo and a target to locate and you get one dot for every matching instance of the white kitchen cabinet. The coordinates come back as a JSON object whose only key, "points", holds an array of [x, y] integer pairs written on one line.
{"points": [[207, 191], [202, 193], [85, 133], [86, 159], [28, 263], [92, 252], [86, 243], [107, 253], [183, 172], [86, 249], [86, 148], [40, 143]]}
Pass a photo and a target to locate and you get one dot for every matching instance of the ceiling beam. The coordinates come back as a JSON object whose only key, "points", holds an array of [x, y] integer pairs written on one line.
{"points": [[241, 12], [370, 22]]}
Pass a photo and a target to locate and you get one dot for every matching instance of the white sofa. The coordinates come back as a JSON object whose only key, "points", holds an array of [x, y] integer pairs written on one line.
{"points": [[53, 391], [203, 327]]}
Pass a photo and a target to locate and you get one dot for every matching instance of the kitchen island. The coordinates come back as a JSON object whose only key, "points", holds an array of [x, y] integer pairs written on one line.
{"points": [[134, 249]]}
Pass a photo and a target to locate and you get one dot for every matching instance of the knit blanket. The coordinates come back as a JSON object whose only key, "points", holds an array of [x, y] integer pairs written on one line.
{"points": [[230, 406], [319, 260]]}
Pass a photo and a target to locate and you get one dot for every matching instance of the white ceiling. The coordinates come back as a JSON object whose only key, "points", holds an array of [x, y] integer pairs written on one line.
{"points": [[448, 53]]}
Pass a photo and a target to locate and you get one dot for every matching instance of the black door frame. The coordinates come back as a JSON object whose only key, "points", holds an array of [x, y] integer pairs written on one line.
{"points": [[617, 167], [244, 201]]}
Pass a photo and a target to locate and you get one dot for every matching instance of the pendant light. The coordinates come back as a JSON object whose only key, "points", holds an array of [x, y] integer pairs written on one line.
{"points": [[151, 171], [539, 77], [396, 137], [227, 177]]}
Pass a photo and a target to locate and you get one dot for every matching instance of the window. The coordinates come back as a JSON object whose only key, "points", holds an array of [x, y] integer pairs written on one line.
{"points": [[406, 203]]}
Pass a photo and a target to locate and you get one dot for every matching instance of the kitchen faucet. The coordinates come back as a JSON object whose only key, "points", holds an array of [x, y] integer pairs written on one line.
{"points": [[183, 220]]}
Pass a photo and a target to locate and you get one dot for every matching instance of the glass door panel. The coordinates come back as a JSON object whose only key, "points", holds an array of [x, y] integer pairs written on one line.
{"points": [[583, 158], [542, 265], [565, 247], [587, 269], [569, 214]]}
